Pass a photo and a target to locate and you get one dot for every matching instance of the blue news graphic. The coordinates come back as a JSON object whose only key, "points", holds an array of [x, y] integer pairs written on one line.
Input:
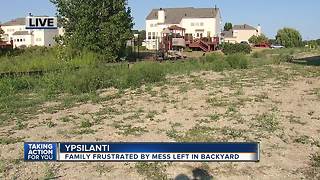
{"points": [[159, 147], [40, 151]]}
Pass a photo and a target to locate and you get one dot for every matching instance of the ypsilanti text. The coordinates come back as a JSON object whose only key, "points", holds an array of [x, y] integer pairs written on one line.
{"points": [[88, 148]]}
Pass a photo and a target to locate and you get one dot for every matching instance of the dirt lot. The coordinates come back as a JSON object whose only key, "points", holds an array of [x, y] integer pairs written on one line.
{"points": [[277, 105]]}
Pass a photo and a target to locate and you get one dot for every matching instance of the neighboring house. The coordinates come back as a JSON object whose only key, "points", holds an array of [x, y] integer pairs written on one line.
{"points": [[240, 33], [197, 22], [15, 30]]}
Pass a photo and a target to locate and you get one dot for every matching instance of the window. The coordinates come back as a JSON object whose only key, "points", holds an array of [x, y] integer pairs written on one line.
{"points": [[201, 24], [192, 24], [38, 39], [149, 35], [153, 35], [197, 24], [151, 25], [18, 40], [198, 34]]}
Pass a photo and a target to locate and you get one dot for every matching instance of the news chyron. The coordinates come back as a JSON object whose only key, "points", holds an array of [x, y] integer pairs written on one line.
{"points": [[141, 152], [36, 22]]}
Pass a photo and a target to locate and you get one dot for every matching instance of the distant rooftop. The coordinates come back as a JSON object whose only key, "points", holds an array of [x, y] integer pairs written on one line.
{"points": [[175, 15], [15, 22], [17, 33], [243, 27]]}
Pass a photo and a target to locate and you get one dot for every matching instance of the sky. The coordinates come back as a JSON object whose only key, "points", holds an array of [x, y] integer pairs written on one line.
{"points": [[302, 15]]}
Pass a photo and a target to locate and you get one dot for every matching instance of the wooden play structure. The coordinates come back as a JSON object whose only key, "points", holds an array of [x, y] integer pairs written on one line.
{"points": [[175, 38]]}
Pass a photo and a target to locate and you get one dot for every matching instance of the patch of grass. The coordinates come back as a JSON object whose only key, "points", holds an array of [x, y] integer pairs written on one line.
{"points": [[303, 139], [51, 124], [214, 117], [232, 133], [151, 114], [313, 171], [103, 169], [127, 130], [9, 140], [85, 123], [20, 125], [152, 171], [199, 134], [83, 131], [266, 122], [217, 102], [49, 172], [66, 119]]}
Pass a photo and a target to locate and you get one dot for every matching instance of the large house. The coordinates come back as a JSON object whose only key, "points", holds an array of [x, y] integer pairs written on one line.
{"points": [[193, 22], [240, 33], [15, 31]]}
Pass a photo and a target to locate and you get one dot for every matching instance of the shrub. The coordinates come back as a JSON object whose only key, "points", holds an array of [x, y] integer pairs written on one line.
{"points": [[236, 48], [219, 65], [237, 61]]}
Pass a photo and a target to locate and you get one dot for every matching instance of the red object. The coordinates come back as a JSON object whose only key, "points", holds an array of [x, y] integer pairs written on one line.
{"points": [[262, 45]]}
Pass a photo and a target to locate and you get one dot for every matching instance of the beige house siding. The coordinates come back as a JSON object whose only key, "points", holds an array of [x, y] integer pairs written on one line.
{"points": [[240, 35]]}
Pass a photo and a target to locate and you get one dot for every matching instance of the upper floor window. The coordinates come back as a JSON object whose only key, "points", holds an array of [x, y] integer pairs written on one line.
{"points": [[201, 24], [149, 35], [154, 35], [192, 24]]}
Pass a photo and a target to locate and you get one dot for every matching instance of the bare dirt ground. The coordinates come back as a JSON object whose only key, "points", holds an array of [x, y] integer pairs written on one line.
{"points": [[275, 105]]}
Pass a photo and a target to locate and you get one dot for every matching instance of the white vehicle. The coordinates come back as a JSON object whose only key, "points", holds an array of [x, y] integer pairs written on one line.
{"points": [[276, 47]]}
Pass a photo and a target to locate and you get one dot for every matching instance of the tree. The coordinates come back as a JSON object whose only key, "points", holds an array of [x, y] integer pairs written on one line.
{"points": [[289, 37], [318, 41], [258, 39], [228, 26], [101, 26], [253, 39]]}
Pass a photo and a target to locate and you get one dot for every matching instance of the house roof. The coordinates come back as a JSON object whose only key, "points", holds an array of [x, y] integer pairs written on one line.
{"points": [[227, 34], [17, 33], [15, 22], [243, 27], [175, 15]]}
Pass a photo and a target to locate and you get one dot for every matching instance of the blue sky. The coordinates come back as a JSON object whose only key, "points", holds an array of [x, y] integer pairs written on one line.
{"points": [[271, 14]]}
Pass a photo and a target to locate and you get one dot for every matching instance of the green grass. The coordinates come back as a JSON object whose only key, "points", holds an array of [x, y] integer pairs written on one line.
{"points": [[27, 93], [266, 122], [152, 171]]}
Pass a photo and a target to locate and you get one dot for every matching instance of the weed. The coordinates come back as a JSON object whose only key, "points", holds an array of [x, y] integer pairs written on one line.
{"points": [[103, 169], [130, 130], [214, 117], [85, 123], [152, 171], [151, 114], [51, 124], [10, 140], [266, 122], [49, 172]]}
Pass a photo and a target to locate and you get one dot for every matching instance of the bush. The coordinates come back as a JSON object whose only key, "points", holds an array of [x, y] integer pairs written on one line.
{"points": [[237, 61], [236, 48]]}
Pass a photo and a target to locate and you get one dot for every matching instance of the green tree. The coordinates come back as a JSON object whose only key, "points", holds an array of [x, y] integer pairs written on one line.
{"points": [[289, 37], [318, 41], [228, 26], [253, 39], [101, 26], [258, 39]]}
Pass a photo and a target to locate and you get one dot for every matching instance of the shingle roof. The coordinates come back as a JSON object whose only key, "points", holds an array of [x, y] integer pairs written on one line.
{"points": [[227, 34], [175, 15], [21, 33], [15, 22], [243, 27]]}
